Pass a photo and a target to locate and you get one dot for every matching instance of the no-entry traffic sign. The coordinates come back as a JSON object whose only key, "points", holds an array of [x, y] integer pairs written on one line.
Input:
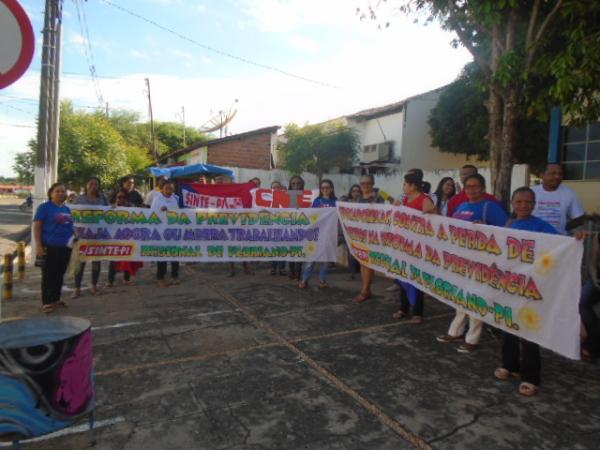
{"points": [[16, 42]]}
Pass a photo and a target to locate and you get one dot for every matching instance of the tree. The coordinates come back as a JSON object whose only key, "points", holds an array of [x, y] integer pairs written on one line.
{"points": [[24, 165], [170, 136], [89, 145], [534, 54], [92, 144], [460, 121], [315, 148]]}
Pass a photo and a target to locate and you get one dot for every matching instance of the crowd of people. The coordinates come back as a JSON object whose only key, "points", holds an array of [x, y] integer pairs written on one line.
{"points": [[549, 207]]}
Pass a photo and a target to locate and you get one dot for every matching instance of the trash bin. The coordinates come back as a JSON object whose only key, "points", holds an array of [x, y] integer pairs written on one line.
{"points": [[46, 375]]}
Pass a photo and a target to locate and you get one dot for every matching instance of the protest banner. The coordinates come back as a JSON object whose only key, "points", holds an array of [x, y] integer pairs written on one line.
{"points": [[522, 282], [281, 198], [220, 196], [141, 234]]}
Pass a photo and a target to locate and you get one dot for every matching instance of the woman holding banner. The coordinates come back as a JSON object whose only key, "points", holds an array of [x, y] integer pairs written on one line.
{"points": [[521, 357], [445, 191], [414, 198], [93, 196], [278, 266], [476, 209], [326, 199], [166, 200], [354, 195], [296, 184], [53, 234], [368, 195]]}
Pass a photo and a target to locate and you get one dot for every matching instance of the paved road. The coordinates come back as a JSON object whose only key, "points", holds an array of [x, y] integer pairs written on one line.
{"points": [[13, 222], [252, 362]]}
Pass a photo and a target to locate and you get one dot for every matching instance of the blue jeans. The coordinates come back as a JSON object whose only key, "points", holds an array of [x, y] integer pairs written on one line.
{"points": [[322, 271], [590, 296]]}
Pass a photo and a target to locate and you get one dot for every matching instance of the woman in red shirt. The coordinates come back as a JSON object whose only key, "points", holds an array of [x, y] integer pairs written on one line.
{"points": [[414, 198]]}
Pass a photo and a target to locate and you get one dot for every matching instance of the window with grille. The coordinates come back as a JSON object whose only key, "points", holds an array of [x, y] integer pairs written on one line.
{"points": [[581, 152]]}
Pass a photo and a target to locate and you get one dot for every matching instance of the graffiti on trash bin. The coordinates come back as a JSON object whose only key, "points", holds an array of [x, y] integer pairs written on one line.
{"points": [[44, 388]]}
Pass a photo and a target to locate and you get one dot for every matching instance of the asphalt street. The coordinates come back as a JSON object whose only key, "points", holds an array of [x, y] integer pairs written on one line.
{"points": [[253, 362]]}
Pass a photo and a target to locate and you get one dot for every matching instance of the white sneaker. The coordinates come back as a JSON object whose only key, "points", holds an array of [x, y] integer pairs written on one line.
{"points": [[393, 288]]}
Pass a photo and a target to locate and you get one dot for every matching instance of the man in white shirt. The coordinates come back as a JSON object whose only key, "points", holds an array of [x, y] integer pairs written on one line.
{"points": [[555, 203], [166, 199], [160, 181]]}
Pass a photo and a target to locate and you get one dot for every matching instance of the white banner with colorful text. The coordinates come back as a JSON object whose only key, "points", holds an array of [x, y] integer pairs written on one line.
{"points": [[208, 235], [522, 282]]}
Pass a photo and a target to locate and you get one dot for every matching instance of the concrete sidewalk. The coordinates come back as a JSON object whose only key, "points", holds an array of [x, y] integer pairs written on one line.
{"points": [[254, 362]]}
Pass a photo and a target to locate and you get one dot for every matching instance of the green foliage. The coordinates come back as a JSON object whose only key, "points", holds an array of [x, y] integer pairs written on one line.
{"points": [[92, 144], [24, 165], [315, 148], [459, 123], [169, 136]]}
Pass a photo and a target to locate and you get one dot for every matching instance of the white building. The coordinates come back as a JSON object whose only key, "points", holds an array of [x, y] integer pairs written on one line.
{"points": [[396, 137]]}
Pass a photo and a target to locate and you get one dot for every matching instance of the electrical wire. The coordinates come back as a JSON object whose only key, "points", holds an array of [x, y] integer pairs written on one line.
{"points": [[87, 49], [16, 109], [16, 125], [217, 51]]}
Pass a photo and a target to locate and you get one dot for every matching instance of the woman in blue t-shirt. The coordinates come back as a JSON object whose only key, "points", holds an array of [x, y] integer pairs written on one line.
{"points": [[53, 234], [521, 357], [326, 199], [477, 209]]}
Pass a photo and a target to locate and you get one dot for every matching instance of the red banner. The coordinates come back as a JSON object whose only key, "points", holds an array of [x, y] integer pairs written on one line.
{"points": [[222, 196]]}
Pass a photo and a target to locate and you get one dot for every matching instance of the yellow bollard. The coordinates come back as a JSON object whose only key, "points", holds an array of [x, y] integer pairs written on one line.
{"points": [[8, 277], [21, 260]]}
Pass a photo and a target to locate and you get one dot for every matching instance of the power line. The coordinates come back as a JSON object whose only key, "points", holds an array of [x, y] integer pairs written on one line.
{"points": [[15, 108], [87, 48], [16, 125], [31, 100], [217, 51]]}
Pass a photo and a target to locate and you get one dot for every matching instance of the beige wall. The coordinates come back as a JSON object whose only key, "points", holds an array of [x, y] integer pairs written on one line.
{"points": [[416, 144], [588, 193], [383, 129]]}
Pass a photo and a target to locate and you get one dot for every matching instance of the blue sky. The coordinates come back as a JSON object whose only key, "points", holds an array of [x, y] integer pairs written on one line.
{"points": [[355, 65]]}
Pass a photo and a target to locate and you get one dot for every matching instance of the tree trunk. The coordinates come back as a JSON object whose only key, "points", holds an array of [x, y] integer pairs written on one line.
{"points": [[495, 110], [502, 187]]}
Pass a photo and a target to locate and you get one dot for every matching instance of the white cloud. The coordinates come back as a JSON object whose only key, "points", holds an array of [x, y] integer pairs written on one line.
{"points": [[139, 55], [372, 68], [290, 15], [303, 43]]}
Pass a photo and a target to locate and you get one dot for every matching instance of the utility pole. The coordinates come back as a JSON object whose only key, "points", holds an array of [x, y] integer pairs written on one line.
{"points": [[107, 114], [153, 135], [46, 166], [49, 108], [57, 64]]}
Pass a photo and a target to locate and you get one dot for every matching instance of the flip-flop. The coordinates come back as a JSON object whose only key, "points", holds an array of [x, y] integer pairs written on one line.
{"points": [[504, 374], [303, 285], [528, 389], [47, 309], [399, 315]]}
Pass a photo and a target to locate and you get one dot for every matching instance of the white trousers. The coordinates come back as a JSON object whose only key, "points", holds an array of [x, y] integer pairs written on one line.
{"points": [[457, 327]]}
